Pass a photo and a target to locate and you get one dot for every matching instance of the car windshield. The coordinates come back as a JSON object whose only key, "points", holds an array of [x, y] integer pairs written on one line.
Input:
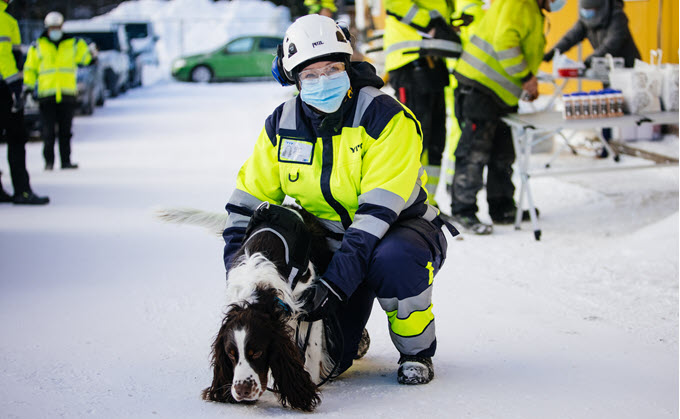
{"points": [[136, 30], [105, 40]]}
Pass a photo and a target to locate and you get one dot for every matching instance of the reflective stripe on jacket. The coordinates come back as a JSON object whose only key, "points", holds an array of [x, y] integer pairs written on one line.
{"points": [[505, 49], [9, 38], [357, 180], [406, 23], [55, 66]]}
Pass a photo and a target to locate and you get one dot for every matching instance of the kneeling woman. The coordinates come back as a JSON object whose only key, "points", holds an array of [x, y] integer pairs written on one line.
{"points": [[350, 155]]}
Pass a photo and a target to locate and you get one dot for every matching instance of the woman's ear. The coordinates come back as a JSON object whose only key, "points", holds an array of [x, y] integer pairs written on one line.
{"points": [[223, 370], [291, 380]]}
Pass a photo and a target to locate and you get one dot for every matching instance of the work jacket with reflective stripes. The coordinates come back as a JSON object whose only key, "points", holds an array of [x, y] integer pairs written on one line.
{"points": [[357, 170], [406, 26], [315, 6], [504, 50], [9, 39], [472, 8], [54, 66]]}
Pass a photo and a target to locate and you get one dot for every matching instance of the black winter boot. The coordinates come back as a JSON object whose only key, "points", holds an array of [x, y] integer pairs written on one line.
{"points": [[414, 369], [29, 198]]}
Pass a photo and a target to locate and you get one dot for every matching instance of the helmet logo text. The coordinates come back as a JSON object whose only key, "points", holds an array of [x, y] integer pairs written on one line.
{"points": [[316, 44]]}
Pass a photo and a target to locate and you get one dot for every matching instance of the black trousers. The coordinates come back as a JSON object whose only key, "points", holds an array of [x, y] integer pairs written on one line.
{"points": [[58, 115], [12, 127], [420, 86], [485, 141]]}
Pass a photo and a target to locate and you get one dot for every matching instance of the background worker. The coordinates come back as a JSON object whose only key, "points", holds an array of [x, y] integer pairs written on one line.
{"points": [[321, 7], [418, 35], [605, 25], [465, 18], [12, 112], [52, 62], [499, 63]]}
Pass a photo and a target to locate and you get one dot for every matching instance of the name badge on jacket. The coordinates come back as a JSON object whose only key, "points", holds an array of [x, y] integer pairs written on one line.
{"points": [[296, 151]]}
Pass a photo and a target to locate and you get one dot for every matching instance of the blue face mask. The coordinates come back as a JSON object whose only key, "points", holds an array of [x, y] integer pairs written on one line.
{"points": [[55, 34], [557, 5], [326, 93], [587, 14]]}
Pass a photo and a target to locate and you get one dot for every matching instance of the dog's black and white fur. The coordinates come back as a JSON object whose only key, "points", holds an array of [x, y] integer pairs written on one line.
{"points": [[257, 336]]}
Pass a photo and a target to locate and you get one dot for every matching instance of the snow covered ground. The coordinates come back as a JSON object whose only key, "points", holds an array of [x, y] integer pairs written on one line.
{"points": [[107, 313]]}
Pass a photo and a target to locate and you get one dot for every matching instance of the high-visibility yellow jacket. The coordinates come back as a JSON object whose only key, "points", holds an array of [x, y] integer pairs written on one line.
{"points": [[315, 6], [406, 26], [9, 38], [54, 66], [472, 8], [504, 50], [357, 175]]}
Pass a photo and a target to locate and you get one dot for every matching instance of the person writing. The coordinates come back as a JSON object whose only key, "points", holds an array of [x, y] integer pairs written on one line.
{"points": [[605, 25], [350, 155]]}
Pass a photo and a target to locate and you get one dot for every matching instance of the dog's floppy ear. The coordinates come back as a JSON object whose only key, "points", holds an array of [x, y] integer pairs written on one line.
{"points": [[223, 370], [293, 383]]}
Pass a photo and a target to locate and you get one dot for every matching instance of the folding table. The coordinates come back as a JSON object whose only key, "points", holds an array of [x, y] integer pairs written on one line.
{"points": [[533, 128]]}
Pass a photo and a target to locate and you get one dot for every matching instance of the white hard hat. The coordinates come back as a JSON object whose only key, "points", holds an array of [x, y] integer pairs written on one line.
{"points": [[54, 19], [312, 37]]}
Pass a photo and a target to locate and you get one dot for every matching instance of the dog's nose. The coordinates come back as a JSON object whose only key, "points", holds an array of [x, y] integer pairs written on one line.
{"points": [[245, 390]]}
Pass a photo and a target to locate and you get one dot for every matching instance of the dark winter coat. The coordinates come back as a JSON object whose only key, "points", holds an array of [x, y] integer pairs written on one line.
{"points": [[608, 33]]}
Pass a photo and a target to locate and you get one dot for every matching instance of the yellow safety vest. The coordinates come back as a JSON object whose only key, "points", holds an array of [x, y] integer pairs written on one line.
{"points": [[406, 26], [54, 66], [504, 49], [315, 6], [9, 37]]}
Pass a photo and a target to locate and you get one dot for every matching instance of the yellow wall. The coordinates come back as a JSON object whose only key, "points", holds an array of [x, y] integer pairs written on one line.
{"points": [[643, 23]]}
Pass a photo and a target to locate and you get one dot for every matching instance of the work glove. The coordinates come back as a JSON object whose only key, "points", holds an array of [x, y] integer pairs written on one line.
{"points": [[588, 61], [548, 56], [443, 30], [320, 300]]}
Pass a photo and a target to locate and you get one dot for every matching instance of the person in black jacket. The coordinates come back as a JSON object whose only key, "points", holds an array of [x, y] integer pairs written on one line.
{"points": [[605, 25]]}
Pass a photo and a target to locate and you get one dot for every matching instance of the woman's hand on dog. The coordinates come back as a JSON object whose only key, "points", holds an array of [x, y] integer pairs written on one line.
{"points": [[320, 300]]}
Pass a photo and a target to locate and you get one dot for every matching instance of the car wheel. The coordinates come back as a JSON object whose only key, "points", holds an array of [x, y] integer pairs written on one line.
{"points": [[100, 98], [112, 83], [201, 74], [88, 108]]}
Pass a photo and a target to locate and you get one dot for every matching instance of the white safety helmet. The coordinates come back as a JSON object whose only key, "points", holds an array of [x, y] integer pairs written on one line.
{"points": [[312, 37], [54, 19]]}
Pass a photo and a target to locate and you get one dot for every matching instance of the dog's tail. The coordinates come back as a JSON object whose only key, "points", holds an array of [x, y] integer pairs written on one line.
{"points": [[214, 222]]}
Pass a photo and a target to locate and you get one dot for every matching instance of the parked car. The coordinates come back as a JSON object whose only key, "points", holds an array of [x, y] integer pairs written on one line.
{"points": [[243, 57], [113, 49], [90, 88], [142, 40]]}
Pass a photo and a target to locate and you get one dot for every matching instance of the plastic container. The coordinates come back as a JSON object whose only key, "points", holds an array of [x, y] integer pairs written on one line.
{"points": [[568, 112], [594, 102], [604, 104]]}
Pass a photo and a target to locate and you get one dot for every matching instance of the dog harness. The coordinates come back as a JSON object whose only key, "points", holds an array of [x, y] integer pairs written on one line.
{"points": [[288, 225]]}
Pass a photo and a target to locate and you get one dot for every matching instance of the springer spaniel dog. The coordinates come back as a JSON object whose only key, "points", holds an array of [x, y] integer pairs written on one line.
{"points": [[258, 335]]}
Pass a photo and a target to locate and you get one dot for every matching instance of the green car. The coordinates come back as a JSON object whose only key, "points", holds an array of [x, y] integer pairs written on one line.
{"points": [[246, 56]]}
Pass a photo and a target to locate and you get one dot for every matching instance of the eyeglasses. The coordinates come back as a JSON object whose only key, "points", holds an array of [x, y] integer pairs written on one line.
{"points": [[329, 70]]}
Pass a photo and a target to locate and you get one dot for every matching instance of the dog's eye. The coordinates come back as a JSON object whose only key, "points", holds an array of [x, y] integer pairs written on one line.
{"points": [[254, 355], [232, 354]]}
